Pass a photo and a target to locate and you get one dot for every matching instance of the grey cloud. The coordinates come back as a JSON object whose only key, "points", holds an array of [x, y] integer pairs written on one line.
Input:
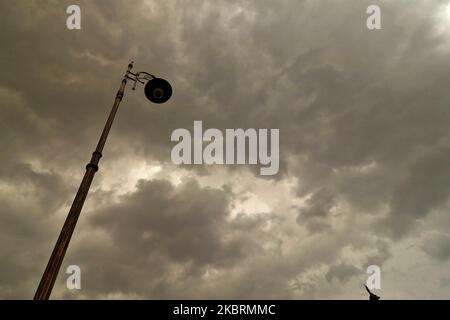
{"points": [[161, 228], [342, 272], [183, 223], [363, 119], [318, 210], [425, 188], [437, 245]]}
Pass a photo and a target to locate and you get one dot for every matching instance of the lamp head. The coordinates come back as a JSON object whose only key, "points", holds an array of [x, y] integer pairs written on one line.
{"points": [[158, 90]]}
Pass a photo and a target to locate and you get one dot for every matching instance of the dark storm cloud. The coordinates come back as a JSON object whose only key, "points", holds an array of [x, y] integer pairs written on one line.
{"points": [[27, 218], [363, 118], [437, 245], [48, 188], [160, 228], [342, 272], [317, 210], [185, 223], [425, 188]]}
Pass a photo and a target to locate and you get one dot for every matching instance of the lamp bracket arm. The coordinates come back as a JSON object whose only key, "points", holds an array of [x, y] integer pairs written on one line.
{"points": [[139, 77]]}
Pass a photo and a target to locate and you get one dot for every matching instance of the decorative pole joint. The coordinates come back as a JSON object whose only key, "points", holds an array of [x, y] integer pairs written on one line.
{"points": [[92, 165]]}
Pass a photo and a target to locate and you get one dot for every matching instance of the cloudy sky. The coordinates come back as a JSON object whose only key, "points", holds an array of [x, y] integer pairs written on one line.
{"points": [[364, 119]]}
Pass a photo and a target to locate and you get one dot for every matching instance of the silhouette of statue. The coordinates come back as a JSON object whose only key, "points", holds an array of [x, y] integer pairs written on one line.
{"points": [[372, 295]]}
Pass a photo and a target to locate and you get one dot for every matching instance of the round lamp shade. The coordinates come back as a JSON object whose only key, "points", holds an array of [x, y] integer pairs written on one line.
{"points": [[158, 90]]}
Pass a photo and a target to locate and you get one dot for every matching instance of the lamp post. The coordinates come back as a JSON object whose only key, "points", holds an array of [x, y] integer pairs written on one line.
{"points": [[156, 90]]}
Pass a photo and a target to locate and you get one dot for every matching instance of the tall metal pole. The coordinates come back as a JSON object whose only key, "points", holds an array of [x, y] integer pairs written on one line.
{"points": [[54, 264]]}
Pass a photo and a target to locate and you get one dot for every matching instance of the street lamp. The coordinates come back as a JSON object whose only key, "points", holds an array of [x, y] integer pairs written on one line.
{"points": [[157, 90]]}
